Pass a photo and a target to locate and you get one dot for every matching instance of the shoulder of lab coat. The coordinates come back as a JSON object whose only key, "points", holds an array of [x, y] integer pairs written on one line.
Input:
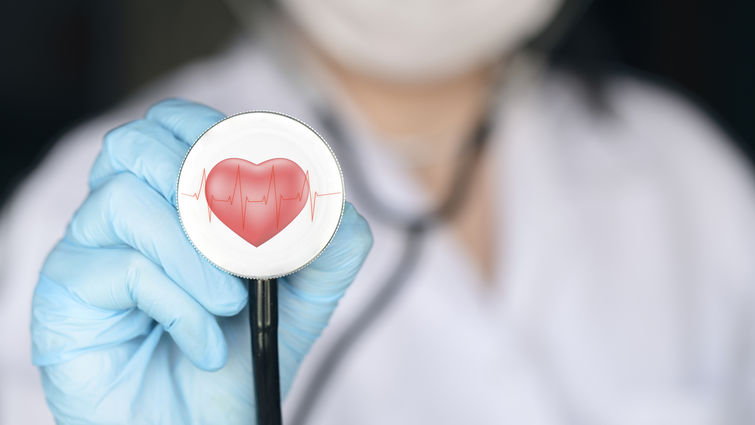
{"points": [[657, 209], [236, 80], [650, 135]]}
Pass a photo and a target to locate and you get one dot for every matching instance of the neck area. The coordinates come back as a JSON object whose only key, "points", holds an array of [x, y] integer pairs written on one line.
{"points": [[431, 117], [425, 125]]}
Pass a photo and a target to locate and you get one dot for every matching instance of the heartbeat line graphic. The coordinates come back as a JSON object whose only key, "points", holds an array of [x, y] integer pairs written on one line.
{"points": [[238, 195]]}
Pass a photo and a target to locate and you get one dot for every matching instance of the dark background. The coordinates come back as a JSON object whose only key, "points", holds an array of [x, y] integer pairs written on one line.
{"points": [[64, 61]]}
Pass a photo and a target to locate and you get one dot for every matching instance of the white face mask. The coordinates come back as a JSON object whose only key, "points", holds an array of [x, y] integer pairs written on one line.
{"points": [[411, 40]]}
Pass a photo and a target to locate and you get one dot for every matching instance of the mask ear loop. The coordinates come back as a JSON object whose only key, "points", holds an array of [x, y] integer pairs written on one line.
{"points": [[263, 325]]}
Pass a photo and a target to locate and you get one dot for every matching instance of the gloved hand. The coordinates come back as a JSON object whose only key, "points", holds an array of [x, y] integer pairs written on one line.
{"points": [[130, 325]]}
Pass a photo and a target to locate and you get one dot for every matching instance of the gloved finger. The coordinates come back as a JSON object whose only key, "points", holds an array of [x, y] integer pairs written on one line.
{"points": [[121, 279], [125, 210], [145, 149], [307, 298], [186, 120]]}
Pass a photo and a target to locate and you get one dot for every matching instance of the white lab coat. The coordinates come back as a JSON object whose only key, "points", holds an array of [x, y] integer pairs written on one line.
{"points": [[624, 288]]}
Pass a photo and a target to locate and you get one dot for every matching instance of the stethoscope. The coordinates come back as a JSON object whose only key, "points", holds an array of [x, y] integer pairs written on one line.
{"points": [[414, 228]]}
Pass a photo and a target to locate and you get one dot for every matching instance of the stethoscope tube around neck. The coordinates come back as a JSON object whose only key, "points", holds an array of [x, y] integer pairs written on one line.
{"points": [[414, 229]]}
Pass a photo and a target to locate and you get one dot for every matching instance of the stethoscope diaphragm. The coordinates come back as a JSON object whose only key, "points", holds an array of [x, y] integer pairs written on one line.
{"points": [[260, 194]]}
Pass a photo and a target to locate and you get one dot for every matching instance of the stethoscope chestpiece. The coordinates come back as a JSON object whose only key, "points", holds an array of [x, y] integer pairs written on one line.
{"points": [[260, 195]]}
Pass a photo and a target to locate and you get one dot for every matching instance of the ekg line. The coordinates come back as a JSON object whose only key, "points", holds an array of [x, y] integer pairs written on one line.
{"points": [[271, 187]]}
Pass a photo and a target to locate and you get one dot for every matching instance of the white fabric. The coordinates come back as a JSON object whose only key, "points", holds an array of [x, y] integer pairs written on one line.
{"points": [[625, 280]]}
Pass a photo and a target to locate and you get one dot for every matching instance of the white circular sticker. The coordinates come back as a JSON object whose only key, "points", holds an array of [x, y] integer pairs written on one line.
{"points": [[260, 194]]}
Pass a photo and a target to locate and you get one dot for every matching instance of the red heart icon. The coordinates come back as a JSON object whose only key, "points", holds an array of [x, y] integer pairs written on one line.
{"points": [[256, 201]]}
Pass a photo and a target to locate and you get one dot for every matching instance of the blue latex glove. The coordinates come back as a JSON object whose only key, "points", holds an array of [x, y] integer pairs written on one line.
{"points": [[130, 325]]}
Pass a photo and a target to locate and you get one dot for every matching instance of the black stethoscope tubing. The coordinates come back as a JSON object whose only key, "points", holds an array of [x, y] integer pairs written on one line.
{"points": [[414, 229]]}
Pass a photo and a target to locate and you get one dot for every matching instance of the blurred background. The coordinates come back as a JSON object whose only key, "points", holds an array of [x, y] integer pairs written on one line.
{"points": [[66, 61]]}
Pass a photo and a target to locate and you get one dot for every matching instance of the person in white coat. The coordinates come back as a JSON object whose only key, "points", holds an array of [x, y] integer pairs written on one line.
{"points": [[598, 269]]}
